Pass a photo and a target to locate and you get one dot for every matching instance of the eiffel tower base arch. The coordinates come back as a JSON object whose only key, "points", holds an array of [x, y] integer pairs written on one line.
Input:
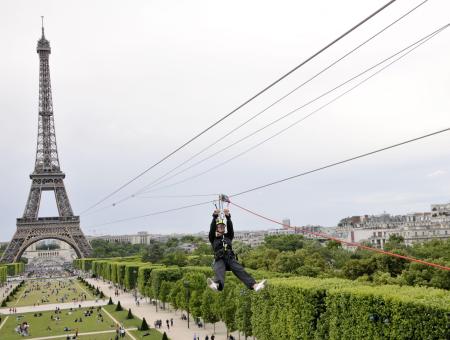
{"points": [[29, 231]]}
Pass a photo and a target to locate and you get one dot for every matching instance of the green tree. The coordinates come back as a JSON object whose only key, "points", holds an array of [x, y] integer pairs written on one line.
{"points": [[175, 258], [172, 242], [392, 265], [176, 295], [144, 325], [102, 249], [395, 242], [164, 292], [356, 268], [195, 303], [228, 307], [191, 239], [244, 312], [200, 260], [286, 242], [210, 307], [154, 252], [286, 262], [332, 244], [260, 258], [204, 249], [240, 248]]}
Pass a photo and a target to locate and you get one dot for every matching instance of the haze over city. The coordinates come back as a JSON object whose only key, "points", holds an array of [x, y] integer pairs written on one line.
{"points": [[131, 84]]}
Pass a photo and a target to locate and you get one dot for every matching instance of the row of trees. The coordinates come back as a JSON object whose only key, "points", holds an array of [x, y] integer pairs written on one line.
{"points": [[3, 275], [295, 255], [11, 269], [295, 307], [168, 252]]}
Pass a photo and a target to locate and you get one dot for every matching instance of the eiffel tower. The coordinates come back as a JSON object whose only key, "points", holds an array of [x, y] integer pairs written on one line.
{"points": [[47, 176]]}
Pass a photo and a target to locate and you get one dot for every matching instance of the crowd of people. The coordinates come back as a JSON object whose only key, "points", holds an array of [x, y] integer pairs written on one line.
{"points": [[58, 291]]}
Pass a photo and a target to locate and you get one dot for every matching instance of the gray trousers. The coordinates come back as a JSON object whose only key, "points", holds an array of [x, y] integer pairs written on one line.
{"points": [[230, 263]]}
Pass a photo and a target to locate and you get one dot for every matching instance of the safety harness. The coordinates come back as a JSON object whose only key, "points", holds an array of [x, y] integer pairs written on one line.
{"points": [[226, 249]]}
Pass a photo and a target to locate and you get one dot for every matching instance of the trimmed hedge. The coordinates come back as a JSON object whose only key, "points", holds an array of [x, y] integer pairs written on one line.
{"points": [[131, 274], [308, 308], [297, 307], [15, 268], [158, 275], [144, 278], [83, 264], [3, 274]]}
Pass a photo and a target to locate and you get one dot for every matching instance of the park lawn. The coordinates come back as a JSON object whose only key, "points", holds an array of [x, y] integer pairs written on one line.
{"points": [[35, 296], [133, 323], [38, 325]]}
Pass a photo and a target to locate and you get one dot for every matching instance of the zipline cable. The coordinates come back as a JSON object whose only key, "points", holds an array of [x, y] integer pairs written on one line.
{"points": [[158, 196], [279, 181], [417, 43], [240, 106], [341, 162], [353, 244], [157, 180], [153, 214]]}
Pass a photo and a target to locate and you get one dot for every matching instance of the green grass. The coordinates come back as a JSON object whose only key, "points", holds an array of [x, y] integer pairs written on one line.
{"points": [[38, 325], [27, 296], [136, 322]]}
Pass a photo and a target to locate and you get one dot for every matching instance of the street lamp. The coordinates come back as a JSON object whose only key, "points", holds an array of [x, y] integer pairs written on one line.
{"points": [[188, 295]]}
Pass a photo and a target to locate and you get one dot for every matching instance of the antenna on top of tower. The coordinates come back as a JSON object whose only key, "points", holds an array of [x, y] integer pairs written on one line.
{"points": [[42, 22]]}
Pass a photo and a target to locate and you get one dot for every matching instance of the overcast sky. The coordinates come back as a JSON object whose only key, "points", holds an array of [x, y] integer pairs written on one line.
{"points": [[134, 80]]}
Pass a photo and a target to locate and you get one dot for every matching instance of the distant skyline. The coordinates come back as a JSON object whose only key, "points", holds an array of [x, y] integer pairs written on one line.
{"points": [[132, 82]]}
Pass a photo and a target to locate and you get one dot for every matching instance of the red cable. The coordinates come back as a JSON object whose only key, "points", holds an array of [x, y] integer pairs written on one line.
{"points": [[354, 244]]}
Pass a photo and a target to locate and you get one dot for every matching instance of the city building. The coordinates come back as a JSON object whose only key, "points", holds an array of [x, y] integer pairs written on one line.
{"points": [[286, 222], [37, 252], [414, 227], [142, 237]]}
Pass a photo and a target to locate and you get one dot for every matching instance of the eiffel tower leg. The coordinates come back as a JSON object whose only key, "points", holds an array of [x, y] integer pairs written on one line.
{"points": [[33, 202], [62, 201], [13, 247]]}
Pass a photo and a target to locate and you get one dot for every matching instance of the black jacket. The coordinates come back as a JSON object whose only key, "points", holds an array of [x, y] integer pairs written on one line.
{"points": [[222, 243]]}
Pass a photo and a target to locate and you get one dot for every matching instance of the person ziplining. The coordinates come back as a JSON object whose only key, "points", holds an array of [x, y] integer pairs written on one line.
{"points": [[224, 257]]}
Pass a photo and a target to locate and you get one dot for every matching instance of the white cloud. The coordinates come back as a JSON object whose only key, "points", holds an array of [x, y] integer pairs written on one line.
{"points": [[437, 173]]}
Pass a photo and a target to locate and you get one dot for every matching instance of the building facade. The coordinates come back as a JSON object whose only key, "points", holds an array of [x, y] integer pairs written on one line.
{"points": [[414, 227], [142, 237], [59, 249]]}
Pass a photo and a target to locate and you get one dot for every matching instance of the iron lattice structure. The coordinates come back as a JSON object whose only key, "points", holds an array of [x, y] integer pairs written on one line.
{"points": [[47, 176]]}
